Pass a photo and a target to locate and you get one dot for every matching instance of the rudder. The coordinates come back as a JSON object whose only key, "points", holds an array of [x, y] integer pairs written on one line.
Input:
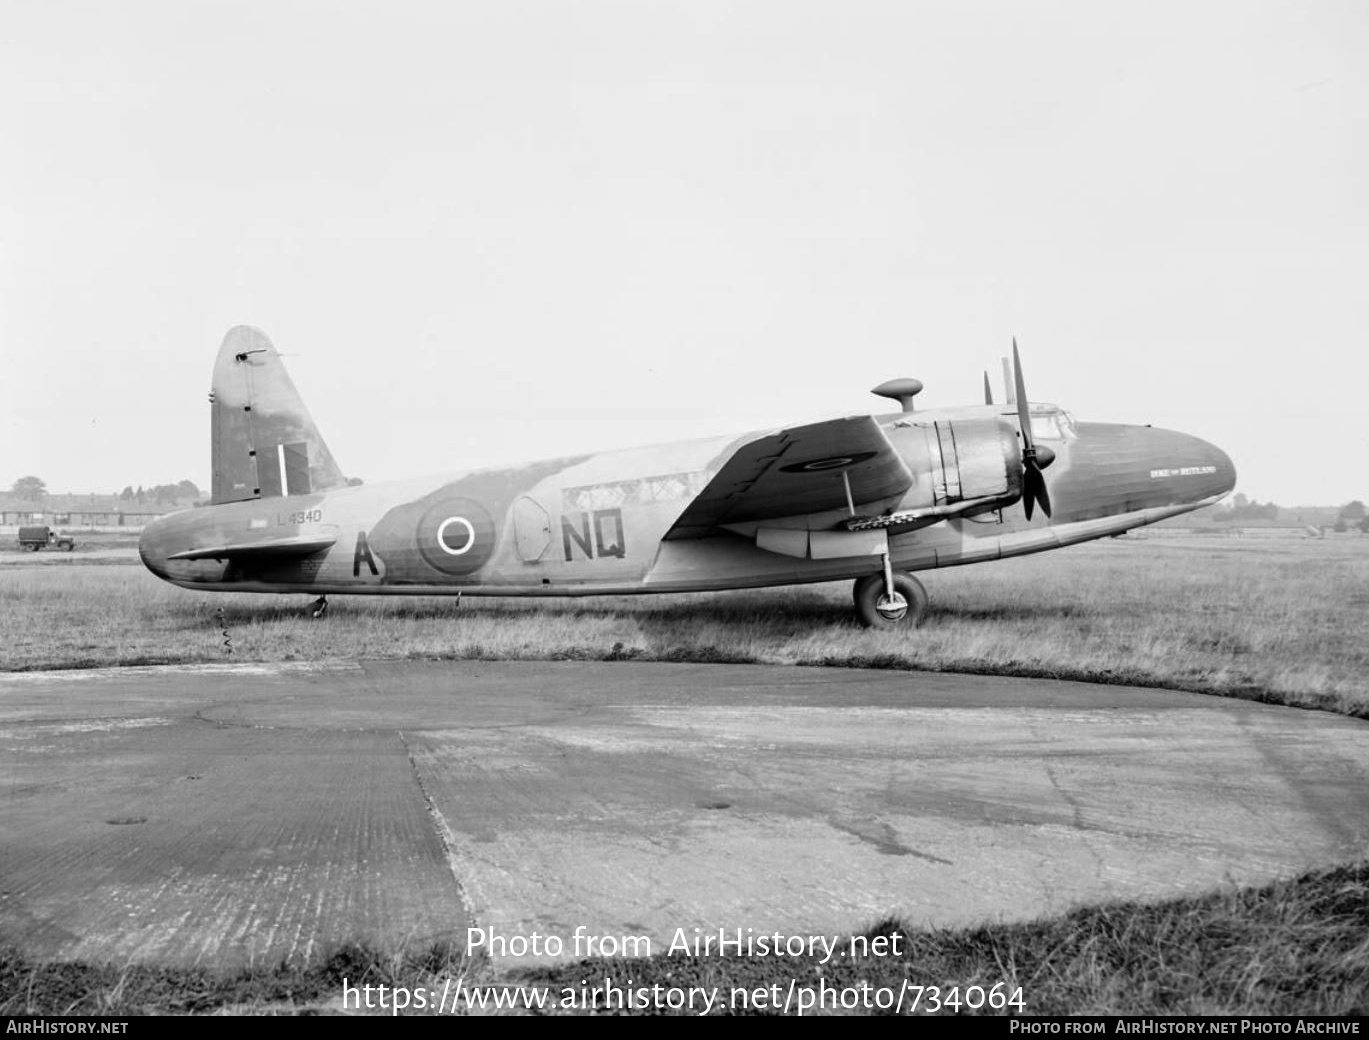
{"points": [[265, 444]]}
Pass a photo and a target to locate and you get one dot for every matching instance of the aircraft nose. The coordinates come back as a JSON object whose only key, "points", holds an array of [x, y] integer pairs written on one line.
{"points": [[1189, 466], [1118, 468], [1219, 476]]}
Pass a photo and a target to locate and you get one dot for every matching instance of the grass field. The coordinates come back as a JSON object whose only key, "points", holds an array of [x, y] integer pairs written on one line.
{"points": [[1283, 621]]}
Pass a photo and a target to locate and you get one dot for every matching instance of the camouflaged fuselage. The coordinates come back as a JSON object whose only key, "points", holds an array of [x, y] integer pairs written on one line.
{"points": [[620, 522]]}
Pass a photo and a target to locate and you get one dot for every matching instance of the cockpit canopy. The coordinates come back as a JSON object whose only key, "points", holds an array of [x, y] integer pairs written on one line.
{"points": [[1050, 423]]}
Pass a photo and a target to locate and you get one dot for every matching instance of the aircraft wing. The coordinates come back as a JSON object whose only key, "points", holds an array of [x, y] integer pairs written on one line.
{"points": [[263, 548], [796, 471]]}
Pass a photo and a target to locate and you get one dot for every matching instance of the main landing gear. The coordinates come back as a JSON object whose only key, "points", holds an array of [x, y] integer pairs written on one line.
{"points": [[890, 599], [318, 608]]}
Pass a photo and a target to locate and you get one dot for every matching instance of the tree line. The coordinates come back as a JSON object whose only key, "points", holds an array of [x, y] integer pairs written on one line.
{"points": [[1351, 516], [35, 489]]}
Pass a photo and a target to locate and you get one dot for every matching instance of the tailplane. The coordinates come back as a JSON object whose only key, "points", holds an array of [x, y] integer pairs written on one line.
{"points": [[265, 444]]}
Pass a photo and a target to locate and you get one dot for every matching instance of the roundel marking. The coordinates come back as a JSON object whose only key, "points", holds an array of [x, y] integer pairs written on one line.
{"points": [[456, 535], [828, 462], [445, 545]]}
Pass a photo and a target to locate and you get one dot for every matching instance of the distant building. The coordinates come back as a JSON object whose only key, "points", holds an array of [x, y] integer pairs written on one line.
{"points": [[83, 511]]}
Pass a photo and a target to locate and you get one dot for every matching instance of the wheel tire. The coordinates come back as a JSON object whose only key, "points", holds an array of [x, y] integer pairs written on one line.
{"points": [[907, 612]]}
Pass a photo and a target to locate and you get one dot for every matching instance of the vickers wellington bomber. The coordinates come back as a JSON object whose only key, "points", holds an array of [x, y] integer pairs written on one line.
{"points": [[866, 498]]}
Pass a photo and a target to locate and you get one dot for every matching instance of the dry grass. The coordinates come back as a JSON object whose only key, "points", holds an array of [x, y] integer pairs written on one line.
{"points": [[1297, 947], [1291, 948], [1280, 621], [77, 988]]}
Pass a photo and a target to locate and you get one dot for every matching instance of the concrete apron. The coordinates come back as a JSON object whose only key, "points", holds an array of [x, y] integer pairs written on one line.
{"points": [[222, 816]]}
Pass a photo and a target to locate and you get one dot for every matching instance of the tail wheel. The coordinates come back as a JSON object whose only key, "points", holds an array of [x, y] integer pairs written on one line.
{"points": [[877, 609]]}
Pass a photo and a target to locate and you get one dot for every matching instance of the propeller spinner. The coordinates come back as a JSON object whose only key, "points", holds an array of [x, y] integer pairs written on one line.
{"points": [[1034, 459]]}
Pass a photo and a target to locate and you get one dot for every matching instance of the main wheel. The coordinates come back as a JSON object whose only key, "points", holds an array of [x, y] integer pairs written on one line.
{"points": [[876, 609]]}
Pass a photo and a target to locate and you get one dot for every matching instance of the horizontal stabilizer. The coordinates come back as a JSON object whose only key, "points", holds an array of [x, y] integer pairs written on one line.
{"points": [[264, 548]]}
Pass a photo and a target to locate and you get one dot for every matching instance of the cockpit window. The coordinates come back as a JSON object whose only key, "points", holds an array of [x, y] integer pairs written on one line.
{"points": [[1054, 425], [1044, 427]]}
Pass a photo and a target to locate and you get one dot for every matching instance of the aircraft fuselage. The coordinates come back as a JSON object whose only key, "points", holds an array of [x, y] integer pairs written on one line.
{"points": [[603, 523]]}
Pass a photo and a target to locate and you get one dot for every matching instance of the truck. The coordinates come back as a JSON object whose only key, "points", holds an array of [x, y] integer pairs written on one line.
{"points": [[36, 536]]}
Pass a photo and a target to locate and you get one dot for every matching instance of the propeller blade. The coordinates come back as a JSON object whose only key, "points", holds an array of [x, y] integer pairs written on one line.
{"points": [[1034, 490], [1034, 459], [1023, 409], [988, 394]]}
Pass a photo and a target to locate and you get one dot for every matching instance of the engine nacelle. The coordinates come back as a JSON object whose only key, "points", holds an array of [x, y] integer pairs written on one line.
{"points": [[960, 467], [975, 458]]}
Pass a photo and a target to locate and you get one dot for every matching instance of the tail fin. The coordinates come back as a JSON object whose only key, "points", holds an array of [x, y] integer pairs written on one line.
{"points": [[264, 443]]}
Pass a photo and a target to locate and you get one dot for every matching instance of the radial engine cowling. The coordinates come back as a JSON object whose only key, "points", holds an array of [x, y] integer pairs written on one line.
{"points": [[961, 467], [972, 459]]}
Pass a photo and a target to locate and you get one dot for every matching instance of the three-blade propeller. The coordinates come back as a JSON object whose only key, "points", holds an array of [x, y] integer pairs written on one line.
{"points": [[1034, 459]]}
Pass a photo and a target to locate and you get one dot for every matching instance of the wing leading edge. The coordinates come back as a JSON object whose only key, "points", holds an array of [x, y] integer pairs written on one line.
{"points": [[805, 469]]}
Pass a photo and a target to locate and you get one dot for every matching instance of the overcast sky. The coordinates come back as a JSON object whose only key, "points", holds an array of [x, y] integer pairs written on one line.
{"points": [[496, 231]]}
